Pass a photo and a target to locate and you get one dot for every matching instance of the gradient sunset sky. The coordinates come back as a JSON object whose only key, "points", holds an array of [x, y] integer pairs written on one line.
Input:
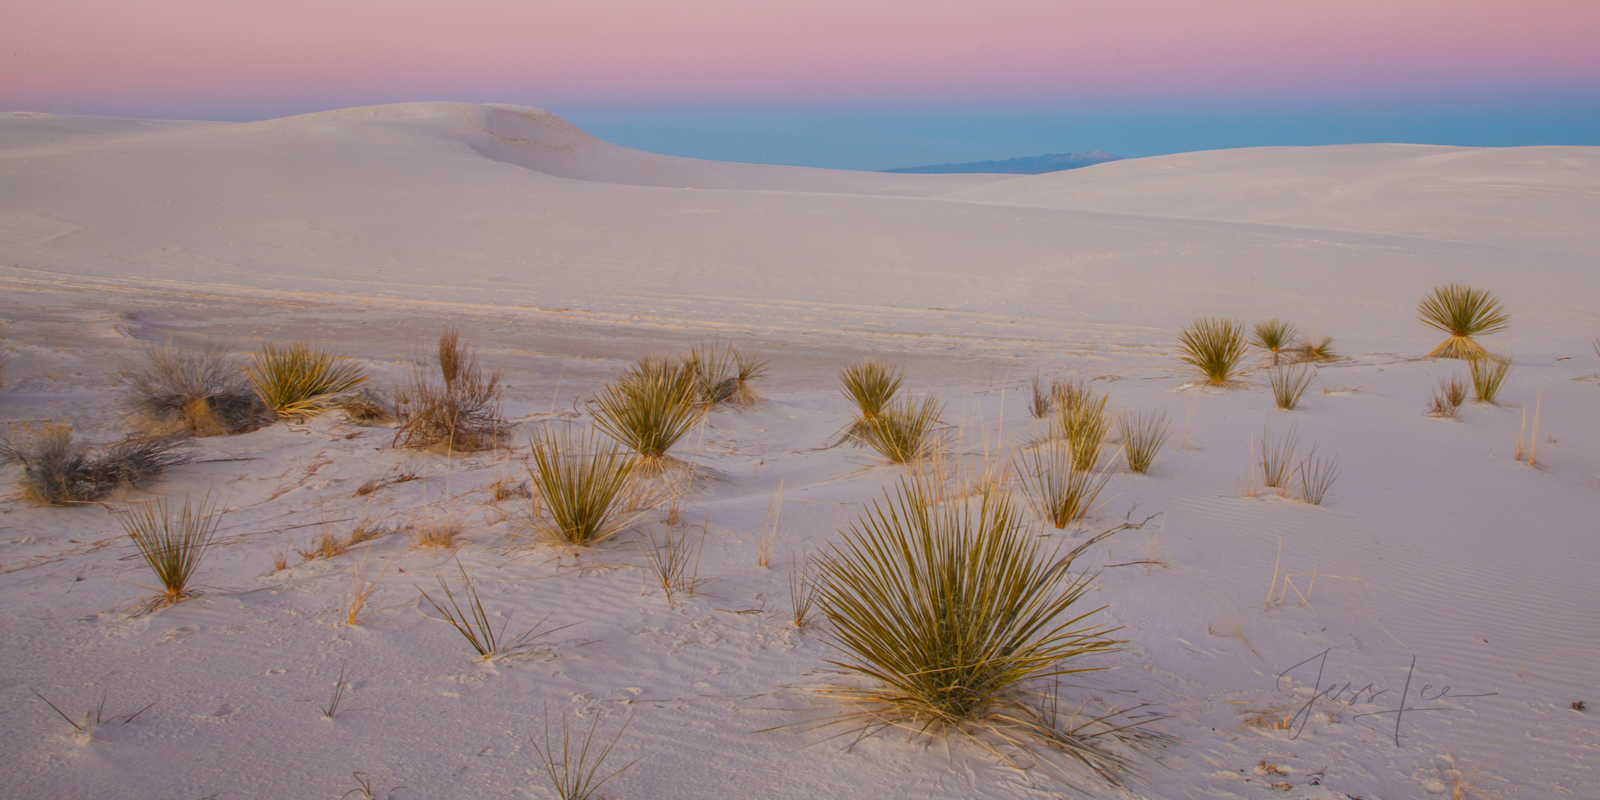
{"points": [[864, 84]]}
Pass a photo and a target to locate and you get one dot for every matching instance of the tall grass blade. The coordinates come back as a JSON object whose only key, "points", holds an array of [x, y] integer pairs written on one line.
{"points": [[1488, 372], [1289, 384], [1143, 433], [574, 771], [1059, 491]]}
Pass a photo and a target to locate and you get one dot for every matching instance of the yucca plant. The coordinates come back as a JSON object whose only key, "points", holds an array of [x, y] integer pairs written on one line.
{"points": [[1142, 433], [1058, 490], [473, 623], [952, 614], [1274, 336], [584, 486], [1084, 425], [1319, 350], [57, 470], [905, 431], [574, 769], [1214, 346], [870, 385], [1289, 384], [173, 542], [1067, 395], [1316, 474], [301, 381], [1463, 312], [747, 369], [200, 392], [1488, 373], [653, 405], [1277, 460]]}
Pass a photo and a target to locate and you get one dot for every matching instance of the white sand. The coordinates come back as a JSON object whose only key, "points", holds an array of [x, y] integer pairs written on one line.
{"points": [[563, 258]]}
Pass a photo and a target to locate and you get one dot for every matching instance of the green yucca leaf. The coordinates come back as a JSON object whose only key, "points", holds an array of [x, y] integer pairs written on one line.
{"points": [[1214, 346]]}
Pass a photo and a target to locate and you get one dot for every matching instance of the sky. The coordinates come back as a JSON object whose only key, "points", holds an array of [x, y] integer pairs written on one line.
{"points": [[861, 84]]}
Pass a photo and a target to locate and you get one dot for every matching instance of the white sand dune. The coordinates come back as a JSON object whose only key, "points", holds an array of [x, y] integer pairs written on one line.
{"points": [[563, 257]]}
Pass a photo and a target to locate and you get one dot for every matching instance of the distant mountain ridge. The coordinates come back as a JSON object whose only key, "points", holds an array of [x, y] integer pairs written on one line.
{"points": [[1026, 165]]}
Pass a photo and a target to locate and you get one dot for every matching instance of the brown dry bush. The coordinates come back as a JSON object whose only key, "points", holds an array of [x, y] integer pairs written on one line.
{"points": [[459, 412], [202, 392], [59, 471]]}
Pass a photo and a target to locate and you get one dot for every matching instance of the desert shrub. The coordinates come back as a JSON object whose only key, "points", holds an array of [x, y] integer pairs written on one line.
{"points": [[1289, 384], [1083, 423], [870, 385], [1316, 474], [1462, 312], [653, 405], [724, 374], [574, 767], [584, 486], [1040, 401], [457, 412], [58, 470], [201, 392], [904, 431], [1488, 372], [1274, 336], [1277, 459], [1058, 490], [1447, 397], [173, 542], [301, 381], [952, 615], [366, 407], [472, 622], [1319, 349], [1214, 346], [1142, 433]]}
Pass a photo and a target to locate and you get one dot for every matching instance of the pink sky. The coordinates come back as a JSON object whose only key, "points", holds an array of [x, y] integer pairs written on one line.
{"points": [[789, 51]]}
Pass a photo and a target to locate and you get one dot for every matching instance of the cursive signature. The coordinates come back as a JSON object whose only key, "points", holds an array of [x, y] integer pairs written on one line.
{"points": [[1428, 697]]}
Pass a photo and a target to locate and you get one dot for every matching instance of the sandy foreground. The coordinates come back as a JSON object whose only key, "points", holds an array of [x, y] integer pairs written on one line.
{"points": [[1441, 577]]}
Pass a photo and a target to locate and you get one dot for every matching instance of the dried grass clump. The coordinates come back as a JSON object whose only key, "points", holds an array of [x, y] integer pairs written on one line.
{"points": [[724, 374], [1214, 346], [1488, 372], [203, 392], [1319, 350], [301, 381], [58, 471], [1316, 475], [1040, 401], [1274, 336], [437, 532], [952, 615], [1447, 398], [650, 408], [1142, 433], [585, 487], [1289, 384], [459, 412], [1059, 491], [366, 407], [904, 431], [172, 542], [1463, 312], [1277, 460]]}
